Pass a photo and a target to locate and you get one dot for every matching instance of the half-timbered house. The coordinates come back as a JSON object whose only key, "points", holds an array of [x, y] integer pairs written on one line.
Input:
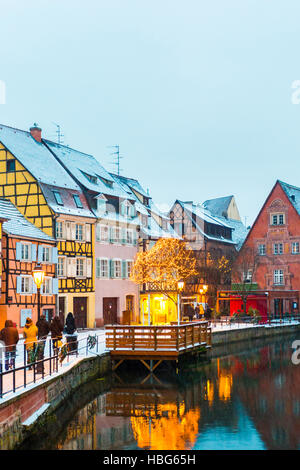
{"points": [[34, 180], [213, 230], [23, 246]]}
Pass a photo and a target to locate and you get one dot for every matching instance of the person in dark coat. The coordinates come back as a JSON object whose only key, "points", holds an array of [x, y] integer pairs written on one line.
{"points": [[10, 336], [207, 312], [56, 329], [70, 329], [43, 330]]}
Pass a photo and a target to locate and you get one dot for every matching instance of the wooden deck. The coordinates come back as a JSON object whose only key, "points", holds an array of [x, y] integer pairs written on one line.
{"points": [[166, 342]]}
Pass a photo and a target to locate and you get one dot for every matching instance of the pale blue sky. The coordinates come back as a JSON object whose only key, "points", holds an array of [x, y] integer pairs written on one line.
{"points": [[196, 93]]}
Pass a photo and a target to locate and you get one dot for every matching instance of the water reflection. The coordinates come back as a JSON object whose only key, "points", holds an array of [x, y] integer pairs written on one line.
{"points": [[246, 400]]}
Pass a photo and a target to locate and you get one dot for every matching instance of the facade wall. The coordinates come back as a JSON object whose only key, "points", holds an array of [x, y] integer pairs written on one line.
{"points": [[15, 305], [111, 287], [264, 233], [22, 189]]}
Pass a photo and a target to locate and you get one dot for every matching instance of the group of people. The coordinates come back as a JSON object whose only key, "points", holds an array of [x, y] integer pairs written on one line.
{"points": [[198, 312], [35, 338]]}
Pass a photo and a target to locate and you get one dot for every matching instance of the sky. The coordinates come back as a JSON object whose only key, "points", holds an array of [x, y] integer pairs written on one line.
{"points": [[201, 96]]}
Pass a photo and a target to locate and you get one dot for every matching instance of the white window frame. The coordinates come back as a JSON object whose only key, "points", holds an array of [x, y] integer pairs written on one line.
{"points": [[47, 282], [297, 246], [129, 263], [78, 273], [29, 284], [60, 233], [278, 215], [77, 232], [248, 275], [28, 247], [46, 249], [278, 249], [261, 249], [101, 271], [278, 276], [115, 261], [63, 258], [116, 231], [129, 241], [102, 238]]}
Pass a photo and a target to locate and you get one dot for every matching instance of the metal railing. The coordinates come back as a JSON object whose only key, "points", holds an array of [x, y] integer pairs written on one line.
{"points": [[242, 320], [23, 367]]}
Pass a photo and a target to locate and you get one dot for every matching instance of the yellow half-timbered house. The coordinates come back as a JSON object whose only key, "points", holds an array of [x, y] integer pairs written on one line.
{"points": [[43, 191]]}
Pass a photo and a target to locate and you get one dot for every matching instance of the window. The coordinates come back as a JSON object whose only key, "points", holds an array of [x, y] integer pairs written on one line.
{"points": [[58, 198], [61, 266], [80, 267], [247, 276], [77, 201], [102, 267], [115, 235], [46, 254], [261, 250], [295, 247], [79, 232], [129, 237], [129, 265], [104, 233], [25, 252], [101, 206], [278, 248], [10, 165], [25, 285], [278, 276], [59, 229], [118, 268], [144, 220], [46, 287], [91, 178], [277, 219]]}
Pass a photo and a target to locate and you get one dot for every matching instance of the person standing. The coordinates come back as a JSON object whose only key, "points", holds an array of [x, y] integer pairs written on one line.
{"points": [[70, 329], [10, 336], [56, 329], [43, 330], [30, 334]]}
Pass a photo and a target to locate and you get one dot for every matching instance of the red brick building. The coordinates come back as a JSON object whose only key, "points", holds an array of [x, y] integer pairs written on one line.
{"points": [[275, 242]]}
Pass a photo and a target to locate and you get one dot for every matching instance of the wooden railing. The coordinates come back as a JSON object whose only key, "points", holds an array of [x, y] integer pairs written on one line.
{"points": [[157, 338]]}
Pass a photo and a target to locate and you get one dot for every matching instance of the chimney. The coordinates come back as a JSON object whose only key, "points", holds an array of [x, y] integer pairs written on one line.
{"points": [[36, 132]]}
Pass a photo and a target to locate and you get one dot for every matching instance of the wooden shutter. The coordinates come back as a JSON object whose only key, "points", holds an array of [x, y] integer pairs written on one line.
{"points": [[88, 267], [33, 252], [88, 232], [40, 253], [73, 231], [54, 255], [19, 280], [124, 269], [18, 251], [111, 268], [54, 286]]}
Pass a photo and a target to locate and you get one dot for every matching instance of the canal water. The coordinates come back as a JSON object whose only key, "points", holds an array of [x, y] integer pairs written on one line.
{"points": [[246, 398]]}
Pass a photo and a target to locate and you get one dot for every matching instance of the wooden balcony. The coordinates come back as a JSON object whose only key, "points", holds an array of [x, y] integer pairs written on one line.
{"points": [[166, 342]]}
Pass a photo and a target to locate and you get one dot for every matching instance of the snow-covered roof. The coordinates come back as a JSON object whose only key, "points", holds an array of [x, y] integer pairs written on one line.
{"points": [[218, 206], [35, 157], [69, 206], [203, 213], [17, 225], [87, 170], [133, 184], [293, 193], [155, 231], [239, 231]]}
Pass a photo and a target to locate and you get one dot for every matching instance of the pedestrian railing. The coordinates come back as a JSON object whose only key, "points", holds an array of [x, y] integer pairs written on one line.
{"points": [[26, 366], [244, 320]]}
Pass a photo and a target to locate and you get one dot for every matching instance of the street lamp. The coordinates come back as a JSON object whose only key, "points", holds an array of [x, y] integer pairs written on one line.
{"points": [[180, 286], [38, 276]]}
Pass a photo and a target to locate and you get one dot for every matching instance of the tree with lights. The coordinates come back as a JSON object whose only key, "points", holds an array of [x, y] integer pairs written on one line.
{"points": [[164, 265]]}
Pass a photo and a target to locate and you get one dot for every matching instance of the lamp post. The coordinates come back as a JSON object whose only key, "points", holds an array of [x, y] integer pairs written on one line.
{"points": [[180, 286], [38, 276]]}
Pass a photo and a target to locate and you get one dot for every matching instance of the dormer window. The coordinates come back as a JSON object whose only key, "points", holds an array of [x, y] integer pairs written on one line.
{"points": [[101, 206], [127, 209], [77, 201], [58, 198], [146, 201], [91, 178], [10, 165]]}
